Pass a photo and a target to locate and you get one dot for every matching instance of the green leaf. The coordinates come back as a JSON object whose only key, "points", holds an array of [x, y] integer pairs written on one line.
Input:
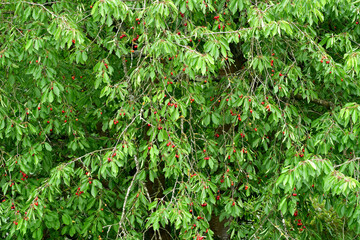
{"points": [[283, 205], [66, 219], [215, 118], [47, 146], [28, 44]]}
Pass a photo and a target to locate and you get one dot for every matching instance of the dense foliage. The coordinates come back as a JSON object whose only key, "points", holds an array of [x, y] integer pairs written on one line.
{"points": [[179, 119]]}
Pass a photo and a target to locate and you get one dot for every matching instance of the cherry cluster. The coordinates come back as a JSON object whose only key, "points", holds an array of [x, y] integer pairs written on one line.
{"points": [[24, 176], [78, 192]]}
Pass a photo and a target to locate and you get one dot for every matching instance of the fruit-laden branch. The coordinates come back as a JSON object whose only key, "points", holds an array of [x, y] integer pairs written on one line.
{"points": [[327, 104]]}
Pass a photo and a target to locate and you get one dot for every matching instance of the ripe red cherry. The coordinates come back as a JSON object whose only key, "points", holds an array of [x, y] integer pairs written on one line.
{"points": [[294, 194], [39, 108], [246, 187]]}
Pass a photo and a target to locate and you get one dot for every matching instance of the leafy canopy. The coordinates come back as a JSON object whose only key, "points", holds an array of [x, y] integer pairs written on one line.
{"points": [[179, 119]]}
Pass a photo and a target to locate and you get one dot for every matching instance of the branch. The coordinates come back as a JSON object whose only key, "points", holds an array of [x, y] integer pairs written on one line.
{"points": [[127, 196], [324, 103], [348, 161]]}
